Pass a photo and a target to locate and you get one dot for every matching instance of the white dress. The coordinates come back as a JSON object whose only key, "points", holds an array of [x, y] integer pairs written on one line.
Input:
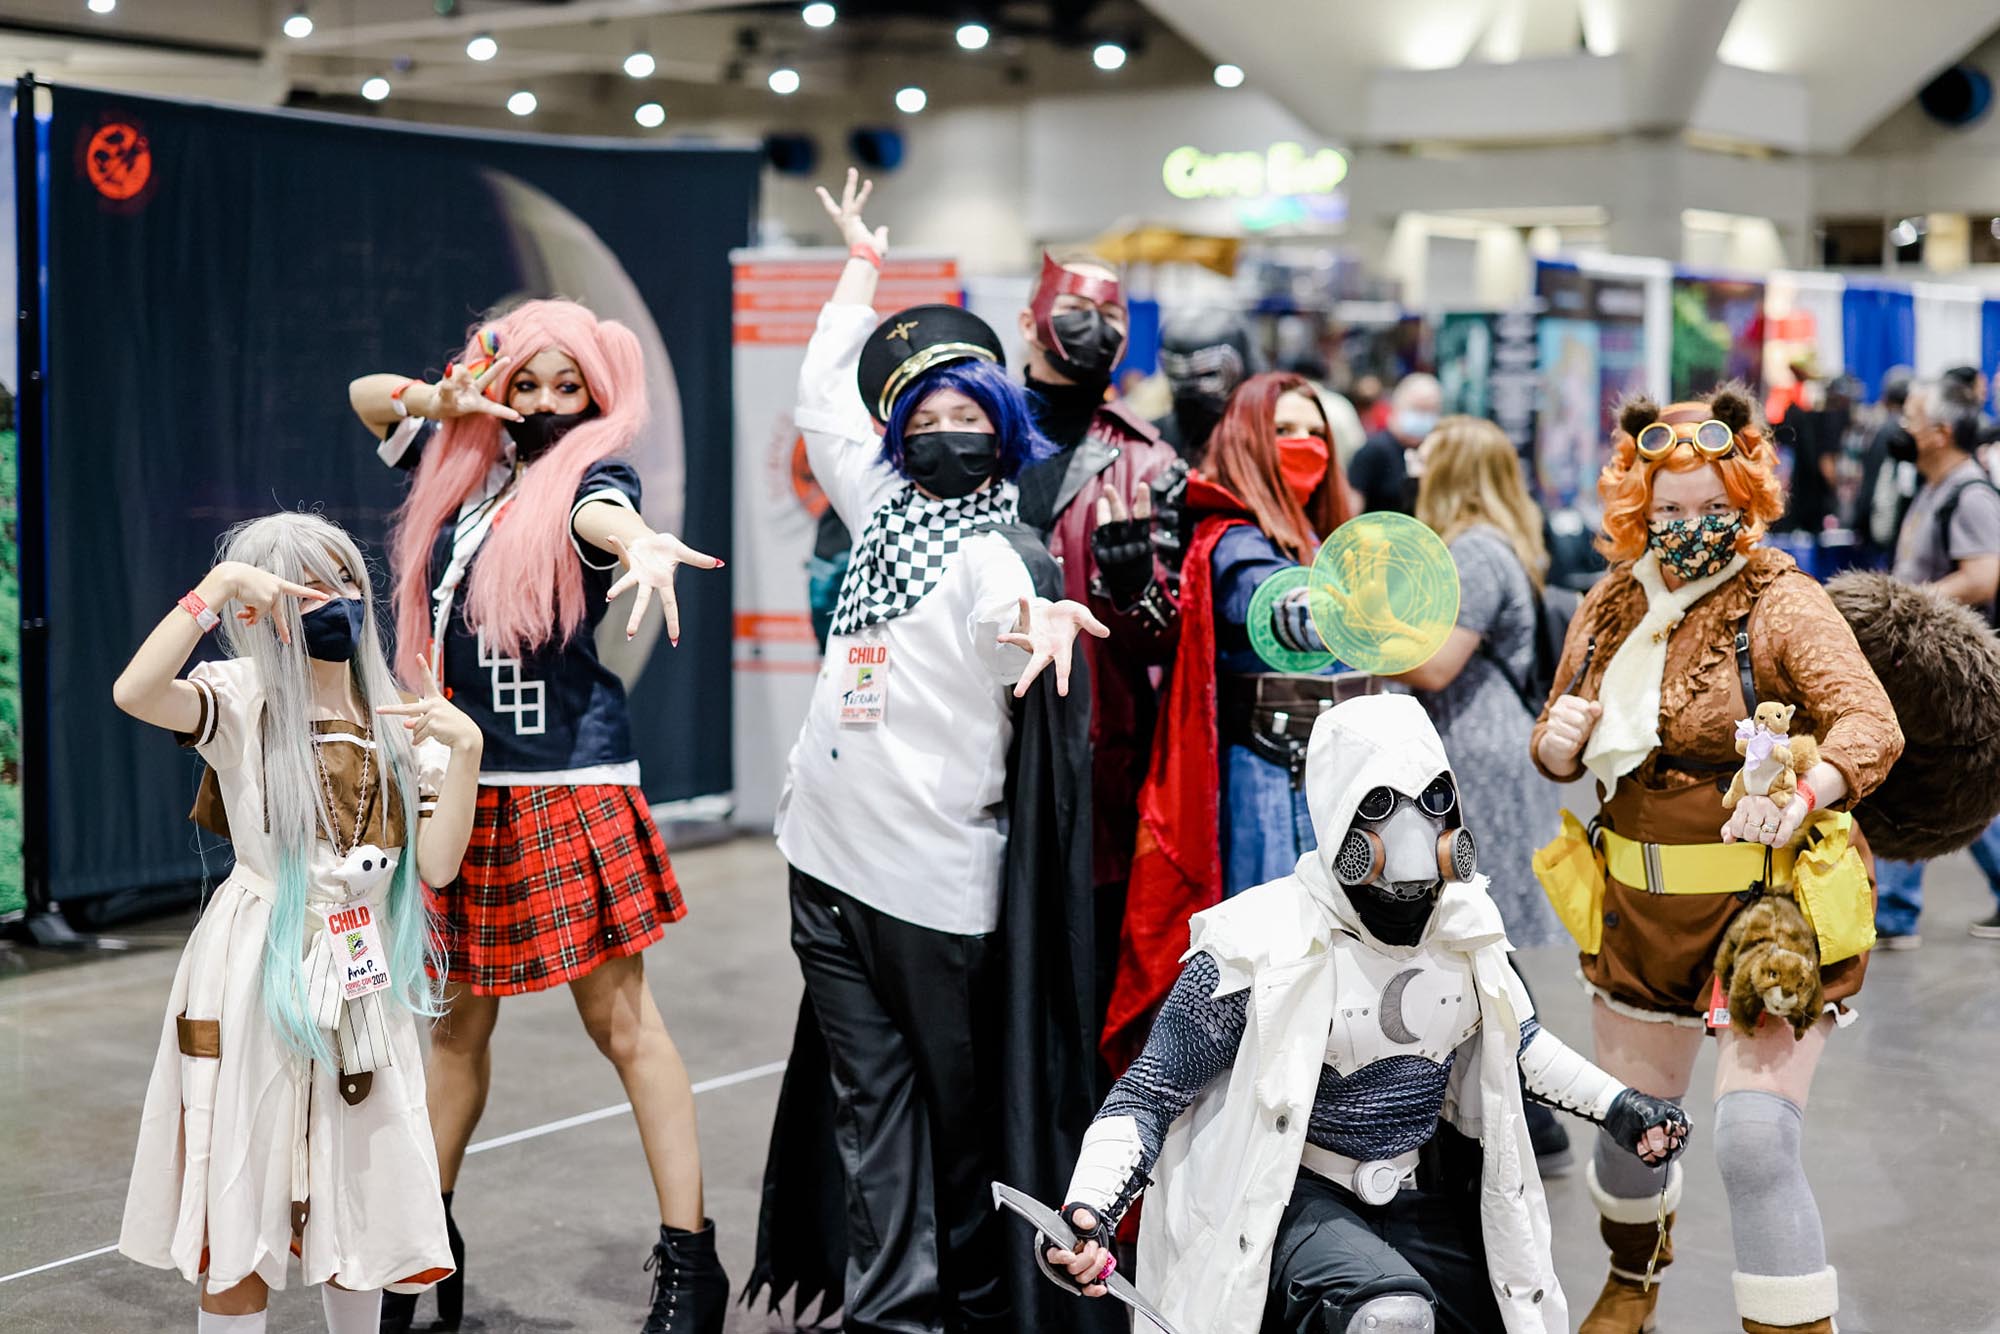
{"points": [[228, 1142]]}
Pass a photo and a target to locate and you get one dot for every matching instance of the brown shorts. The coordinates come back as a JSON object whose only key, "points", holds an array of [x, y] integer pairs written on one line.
{"points": [[1658, 951]]}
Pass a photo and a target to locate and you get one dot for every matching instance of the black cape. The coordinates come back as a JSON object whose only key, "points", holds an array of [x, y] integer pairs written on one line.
{"points": [[1049, 1067]]}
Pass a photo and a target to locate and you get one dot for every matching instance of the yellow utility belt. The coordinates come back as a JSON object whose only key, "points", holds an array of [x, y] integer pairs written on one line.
{"points": [[1825, 875], [1693, 868]]}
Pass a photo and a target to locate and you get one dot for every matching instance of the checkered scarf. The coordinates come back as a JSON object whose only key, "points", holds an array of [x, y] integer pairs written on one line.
{"points": [[906, 548]]}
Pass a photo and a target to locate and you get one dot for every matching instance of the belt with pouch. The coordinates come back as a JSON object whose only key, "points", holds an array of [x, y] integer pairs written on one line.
{"points": [[1376, 1181], [1273, 712], [1694, 868]]}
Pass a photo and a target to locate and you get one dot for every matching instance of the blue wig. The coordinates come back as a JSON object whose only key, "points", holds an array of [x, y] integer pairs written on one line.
{"points": [[1005, 404]]}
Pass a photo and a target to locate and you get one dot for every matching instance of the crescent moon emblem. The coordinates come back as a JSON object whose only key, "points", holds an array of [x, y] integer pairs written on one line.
{"points": [[1393, 1027]]}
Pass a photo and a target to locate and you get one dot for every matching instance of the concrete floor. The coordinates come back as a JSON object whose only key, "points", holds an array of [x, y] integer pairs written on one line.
{"points": [[1901, 1147]]}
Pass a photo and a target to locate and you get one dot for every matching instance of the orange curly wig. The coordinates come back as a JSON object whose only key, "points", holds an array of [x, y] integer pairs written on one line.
{"points": [[1749, 476]]}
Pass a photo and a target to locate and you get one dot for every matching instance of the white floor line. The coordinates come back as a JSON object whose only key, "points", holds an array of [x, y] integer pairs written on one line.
{"points": [[498, 1141]]}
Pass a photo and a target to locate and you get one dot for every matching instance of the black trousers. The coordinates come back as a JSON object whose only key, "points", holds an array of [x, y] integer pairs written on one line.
{"points": [[1335, 1253], [911, 1029]]}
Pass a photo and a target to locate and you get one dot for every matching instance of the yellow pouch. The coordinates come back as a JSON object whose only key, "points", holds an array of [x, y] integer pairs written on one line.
{"points": [[1572, 875], [1832, 888]]}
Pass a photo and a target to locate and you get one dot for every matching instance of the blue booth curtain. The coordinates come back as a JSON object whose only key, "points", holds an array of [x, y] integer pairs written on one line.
{"points": [[1989, 346], [1879, 330]]}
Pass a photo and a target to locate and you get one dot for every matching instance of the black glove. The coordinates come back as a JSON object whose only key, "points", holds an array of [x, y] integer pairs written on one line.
{"points": [[1170, 518], [1101, 1233], [1123, 550], [1634, 1113]]}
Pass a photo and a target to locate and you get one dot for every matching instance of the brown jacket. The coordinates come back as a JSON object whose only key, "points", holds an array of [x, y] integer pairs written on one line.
{"points": [[1801, 653]]}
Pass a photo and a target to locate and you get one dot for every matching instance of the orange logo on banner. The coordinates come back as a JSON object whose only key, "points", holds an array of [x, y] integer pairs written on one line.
{"points": [[118, 160]]}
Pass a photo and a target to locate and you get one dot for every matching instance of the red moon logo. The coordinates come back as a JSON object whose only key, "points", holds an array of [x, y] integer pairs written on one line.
{"points": [[118, 160]]}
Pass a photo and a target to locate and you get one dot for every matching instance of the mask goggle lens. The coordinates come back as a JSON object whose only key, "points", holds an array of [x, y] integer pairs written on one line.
{"points": [[1712, 440], [1437, 800]]}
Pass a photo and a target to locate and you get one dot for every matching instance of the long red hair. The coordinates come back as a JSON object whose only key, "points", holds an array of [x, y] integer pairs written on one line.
{"points": [[1242, 455], [1749, 476], [529, 586]]}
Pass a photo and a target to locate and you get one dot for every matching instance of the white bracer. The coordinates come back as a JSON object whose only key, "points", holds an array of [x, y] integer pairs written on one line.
{"points": [[1556, 1073]]}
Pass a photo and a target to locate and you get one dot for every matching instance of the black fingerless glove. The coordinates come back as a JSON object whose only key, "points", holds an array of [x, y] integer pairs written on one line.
{"points": [[1123, 551], [1634, 1113], [1171, 521]]}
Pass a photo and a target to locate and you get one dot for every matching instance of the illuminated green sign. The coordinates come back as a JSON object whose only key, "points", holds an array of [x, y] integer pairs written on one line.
{"points": [[1284, 170]]}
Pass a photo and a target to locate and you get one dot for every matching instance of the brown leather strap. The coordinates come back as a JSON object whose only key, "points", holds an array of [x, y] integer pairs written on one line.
{"points": [[199, 1037], [354, 1088], [301, 1210]]}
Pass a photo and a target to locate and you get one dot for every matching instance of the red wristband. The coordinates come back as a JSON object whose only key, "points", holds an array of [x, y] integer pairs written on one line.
{"points": [[396, 397], [192, 604], [862, 250], [1812, 797]]}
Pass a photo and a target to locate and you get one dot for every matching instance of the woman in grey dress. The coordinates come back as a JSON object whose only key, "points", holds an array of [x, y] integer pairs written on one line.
{"points": [[1476, 687]]}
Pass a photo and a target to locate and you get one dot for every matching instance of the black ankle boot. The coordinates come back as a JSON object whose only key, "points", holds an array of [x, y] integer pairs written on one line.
{"points": [[399, 1309], [690, 1290]]}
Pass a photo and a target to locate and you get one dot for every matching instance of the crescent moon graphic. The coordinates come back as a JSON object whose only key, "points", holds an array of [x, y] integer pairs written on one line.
{"points": [[1393, 1027]]}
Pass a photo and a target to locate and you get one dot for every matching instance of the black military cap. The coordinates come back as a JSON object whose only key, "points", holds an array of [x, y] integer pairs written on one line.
{"points": [[912, 341]]}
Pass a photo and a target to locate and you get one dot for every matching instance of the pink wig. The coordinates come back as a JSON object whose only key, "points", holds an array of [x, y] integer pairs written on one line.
{"points": [[529, 585]]}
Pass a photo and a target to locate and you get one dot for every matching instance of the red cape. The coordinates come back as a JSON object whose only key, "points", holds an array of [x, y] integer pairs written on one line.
{"points": [[1177, 865]]}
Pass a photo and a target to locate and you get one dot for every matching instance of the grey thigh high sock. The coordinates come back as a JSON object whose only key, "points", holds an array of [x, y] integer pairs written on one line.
{"points": [[1619, 1172], [1772, 1214]]}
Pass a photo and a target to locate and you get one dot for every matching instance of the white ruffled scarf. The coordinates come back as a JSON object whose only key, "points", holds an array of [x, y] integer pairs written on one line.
{"points": [[1629, 729]]}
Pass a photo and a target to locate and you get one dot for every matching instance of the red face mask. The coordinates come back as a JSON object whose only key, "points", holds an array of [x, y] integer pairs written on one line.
{"points": [[1302, 459]]}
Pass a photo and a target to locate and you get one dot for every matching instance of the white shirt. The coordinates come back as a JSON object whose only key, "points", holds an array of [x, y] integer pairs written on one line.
{"points": [[907, 816]]}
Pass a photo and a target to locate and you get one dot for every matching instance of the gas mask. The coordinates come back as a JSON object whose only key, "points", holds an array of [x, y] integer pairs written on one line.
{"points": [[1398, 854]]}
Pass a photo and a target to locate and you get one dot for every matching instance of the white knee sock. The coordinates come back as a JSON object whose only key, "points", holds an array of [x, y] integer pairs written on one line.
{"points": [[351, 1312], [208, 1322]]}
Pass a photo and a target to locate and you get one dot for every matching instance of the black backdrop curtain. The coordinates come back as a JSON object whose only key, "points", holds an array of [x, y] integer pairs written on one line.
{"points": [[217, 276]]}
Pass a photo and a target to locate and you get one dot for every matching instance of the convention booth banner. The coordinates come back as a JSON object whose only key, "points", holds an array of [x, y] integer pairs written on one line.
{"points": [[778, 506], [1718, 334], [217, 276]]}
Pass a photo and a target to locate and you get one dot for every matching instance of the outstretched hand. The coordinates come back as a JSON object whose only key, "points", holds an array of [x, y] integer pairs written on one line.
{"points": [[432, 715], [463, 394], [846, 213], [650, 563], [260, 593], [1048, 630]]}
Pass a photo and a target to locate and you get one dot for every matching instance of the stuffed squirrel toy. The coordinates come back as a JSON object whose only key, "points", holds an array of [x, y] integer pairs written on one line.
{"points": [[1773, 759], [1769, 964]]}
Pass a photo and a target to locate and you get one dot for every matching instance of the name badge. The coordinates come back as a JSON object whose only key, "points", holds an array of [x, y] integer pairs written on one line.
{"points": [[359, 960], [864, 685]]}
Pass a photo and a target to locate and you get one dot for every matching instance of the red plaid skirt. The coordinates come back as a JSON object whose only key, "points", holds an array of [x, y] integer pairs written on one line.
{"points": [[555, 881]]}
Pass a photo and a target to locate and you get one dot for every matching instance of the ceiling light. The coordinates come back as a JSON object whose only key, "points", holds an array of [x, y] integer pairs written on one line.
{"points": [[1229, 76], [819, 15], [375, 89], [640, 64], [1108, 56], [911, 100], [784, 82], [522, 103], [651, 115], [482, 47], [299, 25], [973, 36], [103, 6]]}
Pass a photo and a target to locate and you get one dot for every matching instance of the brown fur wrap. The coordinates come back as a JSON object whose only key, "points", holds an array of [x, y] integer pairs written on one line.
{"points": [[1940, 664]]}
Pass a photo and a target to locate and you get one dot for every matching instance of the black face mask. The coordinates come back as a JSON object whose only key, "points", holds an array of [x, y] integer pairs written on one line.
{"points": [[1087, 346], [538, 432], [1196, 417], [1901, 446], [333, 629], [950, 464], [1394, 921]]}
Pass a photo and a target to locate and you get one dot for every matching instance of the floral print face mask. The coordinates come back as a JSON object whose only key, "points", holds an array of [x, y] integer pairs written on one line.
{"points": [[1695, 548]]}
